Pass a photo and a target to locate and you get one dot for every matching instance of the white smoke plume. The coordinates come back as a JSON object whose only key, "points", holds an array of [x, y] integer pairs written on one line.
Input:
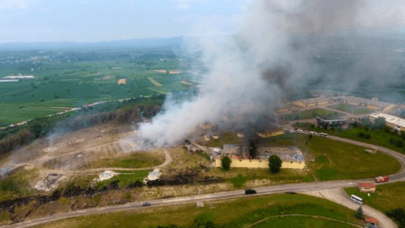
{"points": [[249, 73]]}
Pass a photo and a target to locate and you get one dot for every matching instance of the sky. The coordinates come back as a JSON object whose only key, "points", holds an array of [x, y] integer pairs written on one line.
{"points": [[106, 20]]}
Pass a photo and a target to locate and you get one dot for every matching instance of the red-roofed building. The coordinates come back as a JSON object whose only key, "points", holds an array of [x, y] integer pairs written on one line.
{"points": [[371, 220], [366, 187]]}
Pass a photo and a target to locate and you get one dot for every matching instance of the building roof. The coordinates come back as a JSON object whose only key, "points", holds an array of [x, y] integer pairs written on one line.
{"points": [[366, 185], [390, 119], [371, 220]]}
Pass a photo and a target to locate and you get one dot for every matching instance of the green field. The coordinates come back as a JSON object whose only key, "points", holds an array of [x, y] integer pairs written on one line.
{"points": [[350, 109], [308, 114], [77, 83], [126, 178], [227, 138], [387, 196], [245, 212], [134, 160], [380, 137]]}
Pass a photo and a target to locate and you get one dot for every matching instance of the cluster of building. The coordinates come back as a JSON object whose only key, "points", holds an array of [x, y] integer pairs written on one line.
{"points": [[394, 122], [13, 78], [372, 104], [292, 157]]}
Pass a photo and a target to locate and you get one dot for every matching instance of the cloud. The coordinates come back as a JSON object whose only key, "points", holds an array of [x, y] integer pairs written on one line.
{"points": [[12, 4], [182, 4]]}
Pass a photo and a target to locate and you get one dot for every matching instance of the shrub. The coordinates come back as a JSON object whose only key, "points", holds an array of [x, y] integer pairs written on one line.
{"points": [[226, 163], [275, 163]]}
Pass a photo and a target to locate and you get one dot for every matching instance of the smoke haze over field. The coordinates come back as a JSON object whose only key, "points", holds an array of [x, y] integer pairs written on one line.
{"points": [[282, 46]]}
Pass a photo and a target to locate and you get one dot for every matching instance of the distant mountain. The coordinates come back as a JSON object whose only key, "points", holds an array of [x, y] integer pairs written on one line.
{"points": [[147, 43]]}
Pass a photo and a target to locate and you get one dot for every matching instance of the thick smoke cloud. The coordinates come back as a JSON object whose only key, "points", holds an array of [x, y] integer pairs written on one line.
{"points": [[282, 47]]}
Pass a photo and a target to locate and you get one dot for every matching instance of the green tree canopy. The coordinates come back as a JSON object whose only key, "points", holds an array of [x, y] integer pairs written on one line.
{"points": [[226, 163], [275, 163]]}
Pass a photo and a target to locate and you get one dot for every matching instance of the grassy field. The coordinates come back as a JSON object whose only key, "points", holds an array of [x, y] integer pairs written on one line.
{"points": [[333, 161], [350, 109], [308, 114], [134, 160], [377, 137], [126, 178], [17, 184], [300, 222], [227, 138], [75, 83], [244, 212], [387, 197]]}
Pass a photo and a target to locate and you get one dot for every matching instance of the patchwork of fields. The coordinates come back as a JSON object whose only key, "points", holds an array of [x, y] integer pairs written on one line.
{"points": [[62, 85]]}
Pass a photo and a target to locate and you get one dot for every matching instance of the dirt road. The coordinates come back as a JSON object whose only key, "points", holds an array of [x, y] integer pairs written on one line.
{"points": [[303, 187]]}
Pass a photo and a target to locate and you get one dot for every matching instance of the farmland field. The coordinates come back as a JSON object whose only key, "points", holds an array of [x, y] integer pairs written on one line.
{"points": [[308, 114], [65, 80], [350, 109], [245, 212]]}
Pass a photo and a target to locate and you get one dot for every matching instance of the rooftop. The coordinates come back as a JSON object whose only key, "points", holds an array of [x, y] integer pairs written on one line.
{"points": [[390, 119], [371, 220], [366, 185]]}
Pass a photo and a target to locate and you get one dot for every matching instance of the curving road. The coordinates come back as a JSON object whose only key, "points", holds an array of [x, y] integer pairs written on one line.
{"points": [[302, 187]]}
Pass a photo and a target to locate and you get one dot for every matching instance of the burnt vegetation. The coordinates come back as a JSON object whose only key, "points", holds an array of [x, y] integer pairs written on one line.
{"points": [[131, 111]]}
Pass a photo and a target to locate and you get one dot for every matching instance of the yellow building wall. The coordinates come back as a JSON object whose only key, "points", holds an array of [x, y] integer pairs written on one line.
{"points": [[271, 134], [389, 107], [373, 107], [259, 164], [352, 103], [282, 110], [323, 103], [299, 104]]}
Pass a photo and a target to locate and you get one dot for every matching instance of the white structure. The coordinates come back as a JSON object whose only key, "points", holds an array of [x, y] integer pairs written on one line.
{"points": [[391, 121], [106, 175], [20, 77], [9, 80], [154, 175]]}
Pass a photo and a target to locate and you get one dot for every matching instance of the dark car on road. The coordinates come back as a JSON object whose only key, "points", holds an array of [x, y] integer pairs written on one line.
{"points": [[146, 204], [250, 191]]}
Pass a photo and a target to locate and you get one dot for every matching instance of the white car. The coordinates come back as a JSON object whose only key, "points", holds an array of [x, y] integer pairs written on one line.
{"points": [[300, 131]]}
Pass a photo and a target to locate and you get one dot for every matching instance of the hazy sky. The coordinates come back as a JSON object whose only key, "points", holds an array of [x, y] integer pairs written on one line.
{"points": [[101, 20], [104, 20]]}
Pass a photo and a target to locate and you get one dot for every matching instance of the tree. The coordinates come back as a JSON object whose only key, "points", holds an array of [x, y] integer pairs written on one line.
{"points": [[275, 163], [252, 149], [204, 221], [226, 163], [359, 213]]}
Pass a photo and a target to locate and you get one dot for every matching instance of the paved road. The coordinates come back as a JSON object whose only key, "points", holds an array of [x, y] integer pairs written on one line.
{"points": [[339, 196], [302, 187]]}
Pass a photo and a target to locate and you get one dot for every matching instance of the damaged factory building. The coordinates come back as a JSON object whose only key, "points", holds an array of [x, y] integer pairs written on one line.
{"points": [[292, 157]]}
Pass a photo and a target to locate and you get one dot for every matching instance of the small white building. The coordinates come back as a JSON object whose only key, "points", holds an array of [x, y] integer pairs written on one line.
{"points": [[20, 77], [154, 175]]}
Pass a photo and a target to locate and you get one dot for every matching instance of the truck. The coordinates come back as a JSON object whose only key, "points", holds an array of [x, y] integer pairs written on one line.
{"points": [[381, 179]]}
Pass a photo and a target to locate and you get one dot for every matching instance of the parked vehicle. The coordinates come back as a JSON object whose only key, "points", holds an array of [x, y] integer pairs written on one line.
{"points": [[381, 179], [146, 204], [313, 133], [324, 134], [300, 131], [250, 191], [356, 199]]}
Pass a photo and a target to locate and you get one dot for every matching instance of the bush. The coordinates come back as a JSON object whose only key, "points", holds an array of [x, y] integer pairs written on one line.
{"points": [[203, 221], [399, 215], [226, 163], [275, 163]]}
